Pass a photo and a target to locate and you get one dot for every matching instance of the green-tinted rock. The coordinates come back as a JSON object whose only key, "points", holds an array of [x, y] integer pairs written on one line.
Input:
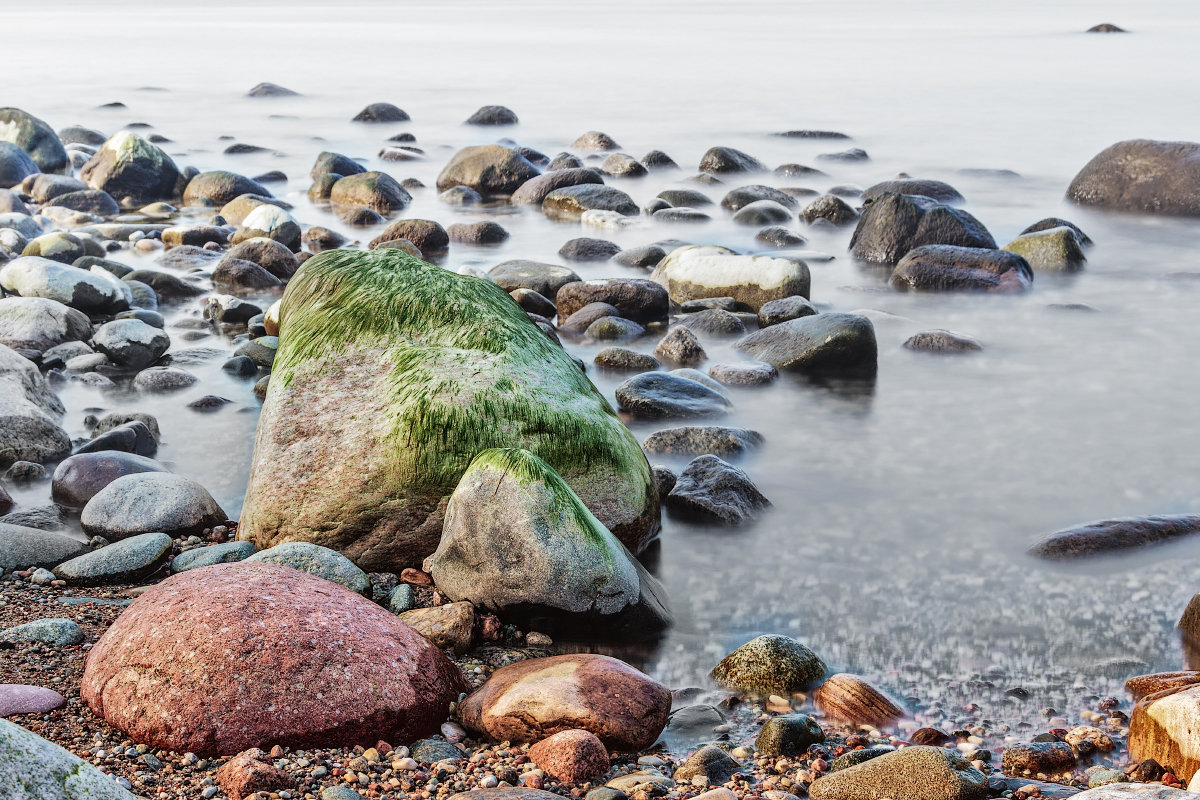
{"points": [[1106, 777], [126, 561], [134, 171], [788, 735], [1053, 250], [512, 514], [53, 632], [770, 664], [32, 768], [393, 374], [377, 191], [36, 138], [223, 553], [319, 561]]}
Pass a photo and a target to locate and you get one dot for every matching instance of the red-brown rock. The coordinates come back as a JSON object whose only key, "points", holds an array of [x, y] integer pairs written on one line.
{"points": [[571, 756], [533, 699], [250, 772], [220, 659]]}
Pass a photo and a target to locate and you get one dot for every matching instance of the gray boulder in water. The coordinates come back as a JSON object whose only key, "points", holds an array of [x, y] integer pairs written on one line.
{"points": [[1115, 534], [1142, 175], [892, 224]]}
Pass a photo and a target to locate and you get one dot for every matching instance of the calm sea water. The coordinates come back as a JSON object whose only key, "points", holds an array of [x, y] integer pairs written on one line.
{"points": [[903, 509]]}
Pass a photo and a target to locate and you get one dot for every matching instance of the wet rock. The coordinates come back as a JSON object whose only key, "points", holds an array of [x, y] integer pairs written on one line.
{"points": [[511, 513], [762, 212], [894, 224], [381, 112], [784, 309], [319, 239], [1053, 250], [533, 302], [1057, 222], [1142, 175], [1050, 758], [391, 475], [623, 166], [270, 222], [646, 256], [238, 276], [88, 201], [219, 187], [938, 190], [315, 560], [57, 774], [700, 440], [132, 437], [770, 664], [595, 140], [492, 115], [930, 773], [621, 359], [151, 502], [580, 321], [822, 343], [15, 165], [480, 234], [712, 490], [643, 301], [378, 679], [534, 190], [88, 291], [131, 343], [831, 209], [569, 203], [851, 699], [126, 561], [251, 772], [754, 373], [574, 756], [116, 419], [681, 215], [777, 236], [947, 268], [133, 171], [223, 553], [788, 735], [273, 256], [29, 411], [714, 322], [448, 627], [193, 235], [709, 762], [165, 285], [942, 342], [428, 236], [22, 547], [1115, 534], [539, 697], [588, 249], [660, 395], [489, 169], [681, 347], [697, 272], [612, 329], [723, 160], [334, 163], [545, 279], [375, 191], [34, 137]]}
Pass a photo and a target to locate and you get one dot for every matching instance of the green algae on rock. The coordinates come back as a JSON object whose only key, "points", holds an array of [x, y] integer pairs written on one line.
{"points": [[134, 171], [512, 514], [391, 376]]}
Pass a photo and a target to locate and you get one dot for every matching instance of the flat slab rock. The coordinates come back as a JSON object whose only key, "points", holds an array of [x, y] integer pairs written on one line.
{"points": [[1114, 534]]}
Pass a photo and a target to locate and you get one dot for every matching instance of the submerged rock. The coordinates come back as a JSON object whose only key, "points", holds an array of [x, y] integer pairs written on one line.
{"points": [[395, 400], [512, 514], [942, 342], [1142, 175], [1115, 534], [539, 697], [175, 668]]}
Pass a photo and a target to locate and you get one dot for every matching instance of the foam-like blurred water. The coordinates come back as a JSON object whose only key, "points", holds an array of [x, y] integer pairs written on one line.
{"points": [[902, 511]]}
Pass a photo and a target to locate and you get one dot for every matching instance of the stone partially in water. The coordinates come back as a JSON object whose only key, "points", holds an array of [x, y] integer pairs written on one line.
{"points": [[637, 299], [942, 342], [35, 276], [660, 395], [721, 160], [489, 169], [133, 171], [151, 502], [894, 224], [938, 190], [712, 490], [1115, 534], [770, 664], [568, 204], [694, 440], [395, 399], [511, 514], [36, 138], [699, 272], [821, 343], [1052, 250], [947, 268], [1144, 176]]}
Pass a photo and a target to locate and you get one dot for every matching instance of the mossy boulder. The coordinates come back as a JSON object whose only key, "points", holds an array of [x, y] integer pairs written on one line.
{"points": [[36, 138], [1053, 250], [134, 171], [391, 376], [512, 516]]}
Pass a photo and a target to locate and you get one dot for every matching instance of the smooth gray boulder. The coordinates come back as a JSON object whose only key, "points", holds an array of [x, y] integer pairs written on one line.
{"points": [[38, 323], [148, 502], [32, 768], [223, 553], [661, 395], [821, 343], [1144, 176], [55, 632], [316, 560], [127, 561], [131, 343], [86, 290], [22, 547], [29, 413]]}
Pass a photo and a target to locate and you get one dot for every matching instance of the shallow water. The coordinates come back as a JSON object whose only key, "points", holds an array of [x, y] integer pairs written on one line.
{"points": [[902, 509]]}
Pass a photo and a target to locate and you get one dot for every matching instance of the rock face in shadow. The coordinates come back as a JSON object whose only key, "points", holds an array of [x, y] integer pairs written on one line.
{"points": [[1144, 176], [893, 224], [1114, 534]]}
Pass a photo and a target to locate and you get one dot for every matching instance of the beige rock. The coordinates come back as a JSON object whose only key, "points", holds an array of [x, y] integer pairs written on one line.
{"points": [[449, 626]]}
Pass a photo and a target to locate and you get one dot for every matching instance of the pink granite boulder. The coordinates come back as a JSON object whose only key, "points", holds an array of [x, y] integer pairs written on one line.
{"points": [[571, 756], [221, 659], [533, 699], [17, 698]]}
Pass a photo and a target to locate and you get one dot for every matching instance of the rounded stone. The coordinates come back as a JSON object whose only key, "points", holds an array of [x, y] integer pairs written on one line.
{"points": [[770, 664], [316, 560], [151, 502], [573, 756]]}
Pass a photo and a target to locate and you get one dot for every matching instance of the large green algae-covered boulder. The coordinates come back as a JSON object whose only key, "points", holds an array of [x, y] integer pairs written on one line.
{"points": [[513, 515], [391, 376]]}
